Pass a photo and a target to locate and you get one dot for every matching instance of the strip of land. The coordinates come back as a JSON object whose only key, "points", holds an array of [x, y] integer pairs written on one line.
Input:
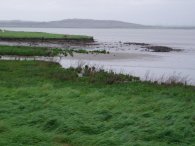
{"points": [[40, 36]]}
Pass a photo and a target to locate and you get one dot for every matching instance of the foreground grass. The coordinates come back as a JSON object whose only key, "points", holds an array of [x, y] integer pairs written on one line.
{"points": [[42, 51], [42, 104], [40, 35]]}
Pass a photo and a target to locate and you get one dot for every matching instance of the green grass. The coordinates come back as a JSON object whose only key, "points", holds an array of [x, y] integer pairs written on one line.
{"points": [[42, 104], [40, 35], [42, 51], [29, 51]]}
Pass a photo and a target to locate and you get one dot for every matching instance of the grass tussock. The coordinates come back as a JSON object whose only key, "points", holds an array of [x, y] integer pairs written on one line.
{"points": [[94, 75], [168, 80], [43, 104]]}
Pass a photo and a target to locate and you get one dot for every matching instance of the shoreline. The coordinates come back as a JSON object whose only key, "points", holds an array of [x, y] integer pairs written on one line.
{"points": [[128, 63], [136, 55]]}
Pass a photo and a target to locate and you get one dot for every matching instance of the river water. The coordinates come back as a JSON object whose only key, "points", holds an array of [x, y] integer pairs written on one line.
{"points": [[156, 64]]}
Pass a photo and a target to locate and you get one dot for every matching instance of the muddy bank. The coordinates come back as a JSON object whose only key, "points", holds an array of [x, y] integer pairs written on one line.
{"points": [[48, 40], [88, 45]]}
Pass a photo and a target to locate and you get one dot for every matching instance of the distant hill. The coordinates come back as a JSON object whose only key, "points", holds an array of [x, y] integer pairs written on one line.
{"points": [[71, 23], [79, 23]]}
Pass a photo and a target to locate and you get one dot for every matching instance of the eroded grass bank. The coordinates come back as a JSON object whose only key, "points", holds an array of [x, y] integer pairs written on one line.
{"points": [[44, 51], [43, 104]]}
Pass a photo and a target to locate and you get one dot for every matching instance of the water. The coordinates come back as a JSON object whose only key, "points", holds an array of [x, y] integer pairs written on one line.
{"points": [[180, 63], [184, 39]]}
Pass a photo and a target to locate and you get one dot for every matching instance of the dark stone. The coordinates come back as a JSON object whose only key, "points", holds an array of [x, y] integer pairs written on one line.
{"points": [[161, 49]]}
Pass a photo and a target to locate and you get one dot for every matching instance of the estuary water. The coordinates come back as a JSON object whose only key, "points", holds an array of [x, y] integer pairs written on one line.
{"points": [[155, 65]]}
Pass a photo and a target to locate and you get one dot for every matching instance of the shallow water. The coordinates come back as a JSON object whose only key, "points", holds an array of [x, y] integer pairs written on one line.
{"points": [[180, 63], [153, 67]]}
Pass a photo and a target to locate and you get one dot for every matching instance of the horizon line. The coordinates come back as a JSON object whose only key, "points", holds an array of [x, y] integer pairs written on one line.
{"points": [[153, 25]]}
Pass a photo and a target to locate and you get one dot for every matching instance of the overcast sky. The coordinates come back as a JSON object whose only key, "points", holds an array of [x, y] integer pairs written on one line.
{"points": [[155, 12]]}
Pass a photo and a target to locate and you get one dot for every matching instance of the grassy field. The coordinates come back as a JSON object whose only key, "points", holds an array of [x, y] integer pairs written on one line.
{"points": [[42, 51], [40, 35], [42, 104]]}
